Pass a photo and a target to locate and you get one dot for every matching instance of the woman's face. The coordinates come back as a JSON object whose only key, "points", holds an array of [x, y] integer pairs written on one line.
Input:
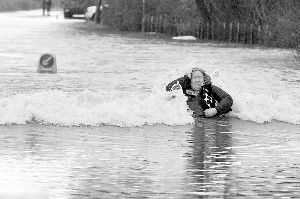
{"points": [[197, 80]]}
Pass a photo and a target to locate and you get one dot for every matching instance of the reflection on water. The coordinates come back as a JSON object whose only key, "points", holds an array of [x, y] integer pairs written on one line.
{"points": [[268, 157], [155, 162], [209, 162], [210, 159]]}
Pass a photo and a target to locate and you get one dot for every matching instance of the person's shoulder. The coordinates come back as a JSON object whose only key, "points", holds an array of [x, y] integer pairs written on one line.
{"points": [[208, 86], [214, 87], [217, 90]]}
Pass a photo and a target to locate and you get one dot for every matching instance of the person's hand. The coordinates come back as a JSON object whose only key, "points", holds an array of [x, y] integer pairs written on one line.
{"points": [[176, 86], [210, 112]]}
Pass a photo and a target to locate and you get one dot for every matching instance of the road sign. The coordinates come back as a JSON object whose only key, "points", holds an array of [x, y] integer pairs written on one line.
{"points": [[47, 64]]}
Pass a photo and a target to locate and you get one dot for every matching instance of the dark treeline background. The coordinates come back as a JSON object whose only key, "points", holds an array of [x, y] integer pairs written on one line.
{"points": [[281, 17]]}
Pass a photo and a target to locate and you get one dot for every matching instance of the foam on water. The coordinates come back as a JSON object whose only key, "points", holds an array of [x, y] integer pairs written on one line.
{"points": [[88, 108], [139, 108], [134, 109], [263, 108]]}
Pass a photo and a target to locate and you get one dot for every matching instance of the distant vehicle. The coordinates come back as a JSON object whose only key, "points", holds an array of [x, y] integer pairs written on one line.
{"points": [[76, 7], [91, 11]]}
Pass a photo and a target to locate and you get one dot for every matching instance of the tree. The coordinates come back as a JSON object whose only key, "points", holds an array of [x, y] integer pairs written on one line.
{"points": [[98, 11]]}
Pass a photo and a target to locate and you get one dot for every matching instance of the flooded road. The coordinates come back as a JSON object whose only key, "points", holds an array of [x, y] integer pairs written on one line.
{"points": [[102, 127]]}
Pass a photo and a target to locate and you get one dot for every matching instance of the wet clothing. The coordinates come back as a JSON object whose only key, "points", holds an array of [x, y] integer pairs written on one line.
{"points": [[210, 96]]}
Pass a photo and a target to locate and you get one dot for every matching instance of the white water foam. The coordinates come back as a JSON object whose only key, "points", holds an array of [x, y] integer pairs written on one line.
{"points": [[251, 105], [262, 108], [137, 109], [134, 109], [88, 108]]}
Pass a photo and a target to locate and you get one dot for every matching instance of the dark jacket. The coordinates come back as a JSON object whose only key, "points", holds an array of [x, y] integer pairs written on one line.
{"points": [[206, 98], [48, 4]]}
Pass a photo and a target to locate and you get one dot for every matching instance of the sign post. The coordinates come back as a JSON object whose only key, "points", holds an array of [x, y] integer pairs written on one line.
{"points": [[143, 17], [47, 64]]}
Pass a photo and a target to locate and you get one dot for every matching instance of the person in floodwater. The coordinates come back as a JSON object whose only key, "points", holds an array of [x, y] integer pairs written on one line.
{"points": [[204, 99], [48, 6], [44, 6]]}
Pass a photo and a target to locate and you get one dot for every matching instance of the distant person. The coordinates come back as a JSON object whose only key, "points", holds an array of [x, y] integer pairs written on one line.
{"points": [[44, 6], [204, 99], [48, 6]]}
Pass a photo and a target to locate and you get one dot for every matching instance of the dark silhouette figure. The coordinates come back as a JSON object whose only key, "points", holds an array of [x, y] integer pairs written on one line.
{"points": [[47, 6], [44, 6]]}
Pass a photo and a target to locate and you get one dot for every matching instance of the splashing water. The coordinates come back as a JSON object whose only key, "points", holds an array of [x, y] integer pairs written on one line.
{"points": [[87, 108], [136, 109]]}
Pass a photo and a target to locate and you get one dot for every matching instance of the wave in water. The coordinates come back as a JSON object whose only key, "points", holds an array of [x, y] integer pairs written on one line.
{"points": [[88, 108], [123, 109], [263, 108]]}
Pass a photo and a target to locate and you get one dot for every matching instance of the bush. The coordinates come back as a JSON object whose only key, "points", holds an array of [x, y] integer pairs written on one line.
{"points": [[281, 16], [127, 14]]}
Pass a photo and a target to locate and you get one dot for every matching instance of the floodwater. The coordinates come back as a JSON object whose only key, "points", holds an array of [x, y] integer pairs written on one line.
{"points": [[103, 126]]}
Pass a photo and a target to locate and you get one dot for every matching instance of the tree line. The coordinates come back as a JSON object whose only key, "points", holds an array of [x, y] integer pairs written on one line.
{"points": [[280, 17]]}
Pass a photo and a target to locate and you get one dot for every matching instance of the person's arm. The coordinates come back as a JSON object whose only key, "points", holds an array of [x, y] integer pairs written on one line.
{"points": [[225, 100], [183, 81]]}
